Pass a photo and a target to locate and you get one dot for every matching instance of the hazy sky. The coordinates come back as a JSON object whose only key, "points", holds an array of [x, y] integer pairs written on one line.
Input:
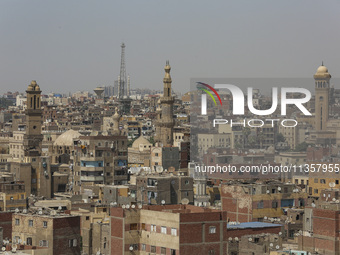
{"points": [[71, 45]]}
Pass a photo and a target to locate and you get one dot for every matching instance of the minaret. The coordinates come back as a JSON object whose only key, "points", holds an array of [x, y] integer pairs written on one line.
{"points": [[33, 137], [322, 85], [165, 122], [116, 118]]}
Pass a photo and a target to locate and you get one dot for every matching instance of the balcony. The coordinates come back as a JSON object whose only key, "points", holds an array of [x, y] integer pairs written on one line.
{"points": [[92, 168], [92, 178]]}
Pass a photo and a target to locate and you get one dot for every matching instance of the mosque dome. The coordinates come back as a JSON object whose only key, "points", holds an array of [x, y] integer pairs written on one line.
{"points": [[322, 72], [66, 139], [140, 141], [322, 69]]}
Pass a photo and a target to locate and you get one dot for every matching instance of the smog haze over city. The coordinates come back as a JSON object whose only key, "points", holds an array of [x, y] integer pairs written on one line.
{"points": [[75, 45], [157, 127]]}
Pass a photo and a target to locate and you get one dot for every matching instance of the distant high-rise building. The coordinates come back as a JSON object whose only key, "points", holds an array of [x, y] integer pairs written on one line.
{"points": [[115, 88], [165, 122], [322, 86], [109, 91]]}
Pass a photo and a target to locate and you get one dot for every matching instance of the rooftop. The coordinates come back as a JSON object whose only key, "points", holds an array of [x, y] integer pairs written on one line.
{"points": [[254, 224]]}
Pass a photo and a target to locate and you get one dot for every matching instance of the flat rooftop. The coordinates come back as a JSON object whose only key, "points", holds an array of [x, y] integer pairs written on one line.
{"points": [[178, 208], [254, 224]]}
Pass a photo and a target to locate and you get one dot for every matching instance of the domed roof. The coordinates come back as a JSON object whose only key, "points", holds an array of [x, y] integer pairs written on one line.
{"points": [[66, 138], [322, 69], [322, 72], [140, 141]]}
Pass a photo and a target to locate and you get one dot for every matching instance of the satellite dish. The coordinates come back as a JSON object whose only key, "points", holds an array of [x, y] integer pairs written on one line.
{"points": [[277, 247], [332, 184], [127, 206], [123, 206], [40, 212], [98, 253], [14, 246], [163, 202], [131, 248], [185, 201], [271, 244], [53, 212], [24, 211], [133, 206], [3, 248], [140, 206], [159, 169], [16, 210], [250, 239]]}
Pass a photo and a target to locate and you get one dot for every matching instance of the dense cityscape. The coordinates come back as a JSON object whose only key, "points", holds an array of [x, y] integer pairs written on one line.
{"points": [[169, 127], [121, 171]]}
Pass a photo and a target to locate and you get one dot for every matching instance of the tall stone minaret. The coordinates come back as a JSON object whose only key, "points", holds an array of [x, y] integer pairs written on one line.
{"points": [[165, 121], [322, 86], [33, 137]]}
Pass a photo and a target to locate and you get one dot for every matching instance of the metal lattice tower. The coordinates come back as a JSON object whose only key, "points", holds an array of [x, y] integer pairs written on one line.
{"points": [[122, 79]]}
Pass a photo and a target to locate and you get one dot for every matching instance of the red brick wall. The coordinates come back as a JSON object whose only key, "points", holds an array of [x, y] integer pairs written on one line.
{"points": [[65, 229], [6, 224], [116, 246], [117, 231]]}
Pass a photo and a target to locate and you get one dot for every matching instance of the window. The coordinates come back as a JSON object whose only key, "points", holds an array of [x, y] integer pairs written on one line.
{"points": [[163, 250], [174, 231], [163, 230], [212, 230], [316, 191], [172, 252], [43, 243], [30, 223], [17, 222], [153, 228], [29, 241], [143, 226], [153, 249], [45, 224], [316, 180], [260, 205], [323, 181], [336, 181], [274, 204], [143, 247], [133, 226], [186, 182], [72, 243]]}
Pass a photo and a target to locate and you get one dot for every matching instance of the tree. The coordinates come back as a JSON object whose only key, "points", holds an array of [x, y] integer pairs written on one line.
{"points": [[280, 138], [301, 147]]}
